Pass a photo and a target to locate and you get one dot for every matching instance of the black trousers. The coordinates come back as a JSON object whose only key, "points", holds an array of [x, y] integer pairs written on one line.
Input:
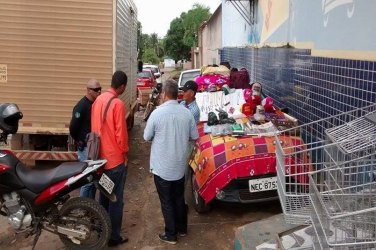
{"points": [[174, 210]]}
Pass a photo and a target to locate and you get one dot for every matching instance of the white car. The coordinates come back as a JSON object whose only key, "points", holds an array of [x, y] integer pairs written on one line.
{"points": [[155, 70], [188, 75]]}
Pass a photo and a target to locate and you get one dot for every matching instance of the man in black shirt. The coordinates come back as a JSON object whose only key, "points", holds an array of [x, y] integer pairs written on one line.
{"points": [[80, 126]]}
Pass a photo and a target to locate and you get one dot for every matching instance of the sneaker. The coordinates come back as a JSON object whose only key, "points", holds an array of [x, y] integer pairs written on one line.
{"points": [[113, 243], [182, 234], [168, 240]]}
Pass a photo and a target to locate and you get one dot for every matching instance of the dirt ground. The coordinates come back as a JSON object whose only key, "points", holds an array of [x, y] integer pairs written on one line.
{"points": [[142, 220]]}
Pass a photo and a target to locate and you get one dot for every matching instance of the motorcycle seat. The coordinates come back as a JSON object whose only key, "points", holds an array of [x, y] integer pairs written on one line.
{"points": [[37, 180]]}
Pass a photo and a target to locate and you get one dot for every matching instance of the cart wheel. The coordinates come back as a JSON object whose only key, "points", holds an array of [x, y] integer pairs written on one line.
{"points": [[198, 202], [149, 108]]}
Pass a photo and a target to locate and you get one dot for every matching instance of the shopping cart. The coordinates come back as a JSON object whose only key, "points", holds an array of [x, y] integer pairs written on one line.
{"points": [[334, 142], [344, 205]]}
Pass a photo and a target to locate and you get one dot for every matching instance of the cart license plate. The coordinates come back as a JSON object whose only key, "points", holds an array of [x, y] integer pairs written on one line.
{"points": [[263, 184], [106, 183]]}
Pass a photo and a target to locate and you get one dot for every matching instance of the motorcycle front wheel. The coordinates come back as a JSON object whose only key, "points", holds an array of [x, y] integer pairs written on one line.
{"points": [[88, 216], [149, 108]]}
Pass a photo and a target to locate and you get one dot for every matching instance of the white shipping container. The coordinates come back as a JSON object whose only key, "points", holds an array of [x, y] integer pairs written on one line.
{"points": [[50, 48]]}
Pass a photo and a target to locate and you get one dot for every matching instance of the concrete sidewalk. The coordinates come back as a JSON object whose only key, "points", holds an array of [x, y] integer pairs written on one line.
{"points": [[262, 234]]}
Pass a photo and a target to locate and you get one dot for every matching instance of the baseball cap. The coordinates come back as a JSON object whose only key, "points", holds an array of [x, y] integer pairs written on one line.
{"points": [[192, 85]]}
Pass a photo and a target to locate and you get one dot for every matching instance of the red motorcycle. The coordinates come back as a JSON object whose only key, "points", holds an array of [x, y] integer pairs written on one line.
{"points": [[36, 199], [153, 100]]}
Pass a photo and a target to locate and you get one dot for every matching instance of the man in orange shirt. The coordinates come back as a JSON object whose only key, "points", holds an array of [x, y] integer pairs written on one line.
{"points": [[113, 148]]}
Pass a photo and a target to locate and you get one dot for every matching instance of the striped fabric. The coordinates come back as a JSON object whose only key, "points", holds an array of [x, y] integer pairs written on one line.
{"points": [[193, 107], [170, 127]]}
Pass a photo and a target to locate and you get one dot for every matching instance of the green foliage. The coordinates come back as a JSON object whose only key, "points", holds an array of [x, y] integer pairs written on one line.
{"points": [[174, 44], [139, 40], [149, 56], [180, 38], [182, 35], [192, 21], [151, 48]]}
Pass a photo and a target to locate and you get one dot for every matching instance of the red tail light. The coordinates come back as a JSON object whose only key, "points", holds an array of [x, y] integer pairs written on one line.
{"points": [[4, 167]]}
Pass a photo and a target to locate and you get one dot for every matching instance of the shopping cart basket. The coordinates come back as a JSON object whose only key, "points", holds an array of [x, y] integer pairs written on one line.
{"points": [[344, 205], [327, 143]]}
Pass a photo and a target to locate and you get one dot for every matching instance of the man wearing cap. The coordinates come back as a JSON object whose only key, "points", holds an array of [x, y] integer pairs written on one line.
{"points": [[189, 99], [80, 126]]}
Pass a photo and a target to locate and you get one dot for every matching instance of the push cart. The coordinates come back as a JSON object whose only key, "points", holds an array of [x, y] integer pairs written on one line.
{"points": [[143, 95]]}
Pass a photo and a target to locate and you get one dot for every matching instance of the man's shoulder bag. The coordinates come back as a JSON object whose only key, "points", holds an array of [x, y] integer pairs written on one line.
{"points": [[93, 139]]}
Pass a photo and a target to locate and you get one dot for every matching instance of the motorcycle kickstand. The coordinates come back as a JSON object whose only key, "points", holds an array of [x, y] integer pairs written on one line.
{"points": [[36, 237]]}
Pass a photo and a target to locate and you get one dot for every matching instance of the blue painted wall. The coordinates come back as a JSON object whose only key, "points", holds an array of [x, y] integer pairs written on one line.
{"points": [[311, 87]]}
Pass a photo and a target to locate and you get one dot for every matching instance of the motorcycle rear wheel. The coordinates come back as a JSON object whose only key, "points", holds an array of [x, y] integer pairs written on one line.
{"points": [[90, 217]]}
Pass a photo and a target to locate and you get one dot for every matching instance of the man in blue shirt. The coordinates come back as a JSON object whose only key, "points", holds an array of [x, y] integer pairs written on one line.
{"points": [[170, 128], [189, 99]]}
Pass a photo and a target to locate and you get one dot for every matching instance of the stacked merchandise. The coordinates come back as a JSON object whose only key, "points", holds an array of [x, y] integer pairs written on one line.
{"points": [[213, 78], [239, 110], [216, 101], [226, 114]]}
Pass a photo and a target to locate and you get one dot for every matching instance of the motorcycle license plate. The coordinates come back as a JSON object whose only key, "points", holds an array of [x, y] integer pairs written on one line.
{"points": [[106, 183], [263, 184]]}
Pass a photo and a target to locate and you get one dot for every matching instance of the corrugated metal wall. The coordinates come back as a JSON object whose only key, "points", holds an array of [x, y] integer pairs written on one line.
{"points": [[126, 47], [51, 48]]}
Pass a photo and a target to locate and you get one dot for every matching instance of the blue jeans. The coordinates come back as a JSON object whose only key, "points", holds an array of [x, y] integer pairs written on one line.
{"points": [[82, 154], [115, 209], [89, 189], [174, 210]]}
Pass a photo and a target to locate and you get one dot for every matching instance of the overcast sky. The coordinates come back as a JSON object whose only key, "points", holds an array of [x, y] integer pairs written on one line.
{"points": [[155, 16]]}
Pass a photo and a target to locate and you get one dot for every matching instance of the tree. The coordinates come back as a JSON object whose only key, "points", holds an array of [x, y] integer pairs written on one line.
{"points": [[182, 34], [150, 56], [139, 39], [151, 48], [192, 21], [174, 45], [156, 43]]}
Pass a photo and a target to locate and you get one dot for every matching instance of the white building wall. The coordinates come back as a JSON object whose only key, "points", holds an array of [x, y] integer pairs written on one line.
{"points": [[211, 39], [330, 28], [235, 29]]}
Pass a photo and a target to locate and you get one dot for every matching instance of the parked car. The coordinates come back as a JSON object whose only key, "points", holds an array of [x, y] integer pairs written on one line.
{"points": [[146, 78], [186, 76], [240, 169], [156, 71]]}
